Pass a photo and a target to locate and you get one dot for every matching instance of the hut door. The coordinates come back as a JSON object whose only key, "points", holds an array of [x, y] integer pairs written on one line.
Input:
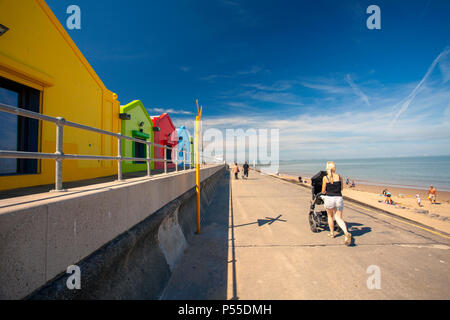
{"points": [[169, 154], [140, 151]]}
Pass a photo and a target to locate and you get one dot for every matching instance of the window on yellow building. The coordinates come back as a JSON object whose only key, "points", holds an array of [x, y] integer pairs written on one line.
{"points": [[18, 133]]}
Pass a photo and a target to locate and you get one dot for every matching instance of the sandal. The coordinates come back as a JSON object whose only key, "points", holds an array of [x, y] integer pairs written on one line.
{"points": [[331, 235], [348, 239]]}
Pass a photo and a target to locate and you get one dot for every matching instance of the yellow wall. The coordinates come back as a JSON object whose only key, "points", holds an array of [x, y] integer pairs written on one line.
{"points": [[38, 52]]}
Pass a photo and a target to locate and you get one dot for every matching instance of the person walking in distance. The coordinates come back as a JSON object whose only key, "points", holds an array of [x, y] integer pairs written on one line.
{"points": [[236, 171], [332, 186], [245, 166]]}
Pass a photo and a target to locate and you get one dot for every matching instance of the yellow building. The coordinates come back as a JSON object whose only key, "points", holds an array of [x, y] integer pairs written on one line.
{"points": [[42, 69]]}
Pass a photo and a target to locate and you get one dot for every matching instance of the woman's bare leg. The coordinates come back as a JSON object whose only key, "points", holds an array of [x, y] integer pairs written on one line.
{"points": [[341, 223], [330, 213]]}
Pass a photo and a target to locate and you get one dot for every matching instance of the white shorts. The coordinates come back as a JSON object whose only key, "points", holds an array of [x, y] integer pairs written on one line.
{"points": [[331, 202]]}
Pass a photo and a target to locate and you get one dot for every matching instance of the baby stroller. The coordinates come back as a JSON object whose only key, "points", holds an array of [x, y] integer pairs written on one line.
{"points": [[318, 220]]}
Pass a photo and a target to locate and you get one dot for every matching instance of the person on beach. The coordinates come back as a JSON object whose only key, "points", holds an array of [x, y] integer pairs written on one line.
{"points": [[388, 195], [432, 194], [236, 171], [418, 200], [332, 189], [388, 199], [245, 166]]}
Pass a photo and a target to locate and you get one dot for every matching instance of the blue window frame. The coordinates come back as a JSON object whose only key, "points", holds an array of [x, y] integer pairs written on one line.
{"points": [[18, 133]]}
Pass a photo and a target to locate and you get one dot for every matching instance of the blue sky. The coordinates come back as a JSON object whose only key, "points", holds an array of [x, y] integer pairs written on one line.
{"points": [[309, 68]]}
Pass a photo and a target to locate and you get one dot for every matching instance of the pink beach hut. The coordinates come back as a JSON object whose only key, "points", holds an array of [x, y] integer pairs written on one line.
{"points": [[165, 134]]}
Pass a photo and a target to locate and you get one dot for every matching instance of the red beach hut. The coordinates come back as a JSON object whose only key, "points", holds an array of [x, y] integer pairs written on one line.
{"points": [[166, 135]]}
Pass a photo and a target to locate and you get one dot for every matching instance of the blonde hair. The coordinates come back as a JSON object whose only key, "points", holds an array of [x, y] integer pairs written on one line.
{"points": [[331, 167]]}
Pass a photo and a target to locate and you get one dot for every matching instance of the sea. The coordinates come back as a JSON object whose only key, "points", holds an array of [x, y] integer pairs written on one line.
{"points": [[406, 172]]}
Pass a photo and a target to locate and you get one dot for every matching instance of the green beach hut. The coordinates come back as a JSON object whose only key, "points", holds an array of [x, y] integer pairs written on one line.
{"points": [[136, 123]]}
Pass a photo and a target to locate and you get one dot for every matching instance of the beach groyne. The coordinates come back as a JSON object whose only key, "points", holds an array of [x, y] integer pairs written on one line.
{"points": [[125, 238]]}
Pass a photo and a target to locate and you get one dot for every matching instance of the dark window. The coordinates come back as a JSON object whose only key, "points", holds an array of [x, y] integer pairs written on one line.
{"points": [[18, 133], [169, 154], [140, 151]]}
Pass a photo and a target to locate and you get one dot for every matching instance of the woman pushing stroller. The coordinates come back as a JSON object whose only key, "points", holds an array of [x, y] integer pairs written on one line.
{"points": [[334, 204]]}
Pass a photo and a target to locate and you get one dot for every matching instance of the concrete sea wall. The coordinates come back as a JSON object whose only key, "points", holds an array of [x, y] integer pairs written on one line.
{"points": [[125, 239]]}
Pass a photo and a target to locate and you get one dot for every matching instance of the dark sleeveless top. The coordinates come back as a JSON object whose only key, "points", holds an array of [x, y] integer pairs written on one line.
{"points": [[333, 189]]}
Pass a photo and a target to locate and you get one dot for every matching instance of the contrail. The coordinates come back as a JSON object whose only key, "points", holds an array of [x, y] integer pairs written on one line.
{"points": [[357, 90], [413, 94]]}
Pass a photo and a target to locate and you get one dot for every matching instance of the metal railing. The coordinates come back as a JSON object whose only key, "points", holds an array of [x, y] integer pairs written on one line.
{"points": [[59, 155]]}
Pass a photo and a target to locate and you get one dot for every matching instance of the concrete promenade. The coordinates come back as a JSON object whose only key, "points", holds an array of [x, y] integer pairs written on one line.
{"points": [[256, 244]]}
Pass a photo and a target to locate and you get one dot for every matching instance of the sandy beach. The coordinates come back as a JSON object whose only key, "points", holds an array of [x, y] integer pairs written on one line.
{"points": [[436, 215]]}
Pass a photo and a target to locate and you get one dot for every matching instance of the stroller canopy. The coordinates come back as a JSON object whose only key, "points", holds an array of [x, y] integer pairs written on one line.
{"points": [[316, 182]]}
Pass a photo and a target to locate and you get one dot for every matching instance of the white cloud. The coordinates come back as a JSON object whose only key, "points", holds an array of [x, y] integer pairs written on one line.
{"points": [[237, 104], [446, 117], [357, 90], [276, 97], [170, 111], [407, 101], [252, 70], [329, 88], [277, 86], [210, 77], [444, 65], [356, 133], [334, 125]]}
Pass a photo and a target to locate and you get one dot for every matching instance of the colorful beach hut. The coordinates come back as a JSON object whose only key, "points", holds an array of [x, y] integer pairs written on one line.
{"points": [[136, 123], [184, 146], [166, 135], [42, 70]]}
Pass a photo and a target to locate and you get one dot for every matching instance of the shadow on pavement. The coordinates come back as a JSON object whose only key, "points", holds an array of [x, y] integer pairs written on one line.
{"points": [[202, 271], [261, 222], [356, 230]]}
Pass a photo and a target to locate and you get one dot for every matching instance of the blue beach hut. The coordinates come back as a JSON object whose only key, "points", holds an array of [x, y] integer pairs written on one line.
{"points": [[184, 145]]}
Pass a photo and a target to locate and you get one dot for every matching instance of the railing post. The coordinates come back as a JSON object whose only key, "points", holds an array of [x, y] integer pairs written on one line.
{"points": [[149, 163], [184, 160], [165, 160], [59, 152], [119, 154], [176, 160]]}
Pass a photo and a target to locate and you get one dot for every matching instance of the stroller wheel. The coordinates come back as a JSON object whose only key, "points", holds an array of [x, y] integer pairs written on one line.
{"points": [[312, 223]]}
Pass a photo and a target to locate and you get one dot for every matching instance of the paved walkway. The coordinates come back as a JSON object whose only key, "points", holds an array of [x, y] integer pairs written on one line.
{"points": [[256, 244]]}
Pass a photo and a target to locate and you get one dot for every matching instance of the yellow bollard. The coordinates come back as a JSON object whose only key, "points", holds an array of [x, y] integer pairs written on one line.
{"points": [[197, 166]]}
